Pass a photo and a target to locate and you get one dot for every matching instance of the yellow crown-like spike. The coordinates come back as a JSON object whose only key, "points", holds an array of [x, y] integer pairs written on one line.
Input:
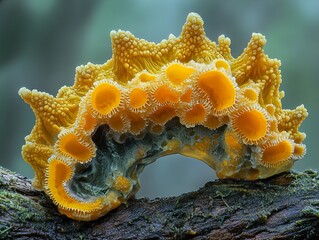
{"points": [[250, 60], [131, 55], [193, 43], [37, 156], [291, 121], [52, 113]]}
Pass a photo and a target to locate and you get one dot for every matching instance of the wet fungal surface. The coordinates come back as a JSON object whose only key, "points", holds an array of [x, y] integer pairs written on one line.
{"points": [[185, 95]]}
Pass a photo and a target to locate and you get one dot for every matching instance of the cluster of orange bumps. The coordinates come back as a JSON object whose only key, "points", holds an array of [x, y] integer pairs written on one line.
{"points": [[142, 88]]}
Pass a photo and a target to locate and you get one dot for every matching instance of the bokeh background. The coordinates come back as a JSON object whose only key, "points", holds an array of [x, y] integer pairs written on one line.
{"points": [[41, 43]]}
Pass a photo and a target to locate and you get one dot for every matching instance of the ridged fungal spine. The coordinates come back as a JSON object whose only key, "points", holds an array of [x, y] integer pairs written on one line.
{"points": [[185, 95]]}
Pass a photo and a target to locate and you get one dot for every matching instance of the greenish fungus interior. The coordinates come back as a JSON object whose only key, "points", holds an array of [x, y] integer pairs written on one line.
{"points": [[127, 155]]}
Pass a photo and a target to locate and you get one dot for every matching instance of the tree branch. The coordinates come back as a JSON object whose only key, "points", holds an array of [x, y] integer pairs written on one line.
{"points": [[282, 207]]}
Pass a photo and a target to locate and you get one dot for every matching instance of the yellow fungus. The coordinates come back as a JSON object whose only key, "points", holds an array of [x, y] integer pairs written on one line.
{"points": [[184, 95]]}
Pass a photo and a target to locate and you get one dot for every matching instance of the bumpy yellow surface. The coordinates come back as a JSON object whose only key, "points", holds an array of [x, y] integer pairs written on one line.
{"points": [[144, 86]]}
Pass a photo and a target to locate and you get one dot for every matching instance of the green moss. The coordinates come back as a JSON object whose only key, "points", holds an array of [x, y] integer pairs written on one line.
{"points": [[24, 206]]}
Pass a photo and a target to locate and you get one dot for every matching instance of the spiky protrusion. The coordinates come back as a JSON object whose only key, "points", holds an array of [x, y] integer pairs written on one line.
{"points": [[184, 95]]}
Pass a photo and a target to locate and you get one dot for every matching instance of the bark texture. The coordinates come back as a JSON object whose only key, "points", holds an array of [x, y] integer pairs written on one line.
{"points": [[282, 207]]}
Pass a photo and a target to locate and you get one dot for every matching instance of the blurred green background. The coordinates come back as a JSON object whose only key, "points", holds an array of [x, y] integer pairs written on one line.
{"points": [[41, 43]]}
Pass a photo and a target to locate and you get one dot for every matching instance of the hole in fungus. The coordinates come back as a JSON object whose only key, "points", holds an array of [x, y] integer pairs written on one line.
{"points": [[105, 97], [195, 115], [219, 88], [277, 153], [164, 94], [160, 179], [70, 145], [177, 73], [221, 63], [138, 98], [251, 125], [163, 114]]}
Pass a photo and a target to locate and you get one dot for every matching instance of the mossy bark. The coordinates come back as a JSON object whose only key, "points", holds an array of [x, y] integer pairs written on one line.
{"points": [[282, 207]]}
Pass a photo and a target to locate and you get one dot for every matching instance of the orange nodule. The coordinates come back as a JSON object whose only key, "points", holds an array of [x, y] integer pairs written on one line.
{"points": [[121, 184], [72, 147], [278, 153], [177, 73], [221, 63], [165, 94], [251, 125], [219, 88], [138, 98], [163, 114], [58, 173], [196, 114], [105, 98]]}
